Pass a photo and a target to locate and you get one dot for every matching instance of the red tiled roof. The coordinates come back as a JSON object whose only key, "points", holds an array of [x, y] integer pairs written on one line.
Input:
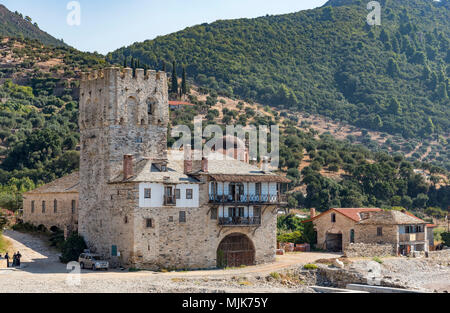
{"points": [[351, 213], [431, 225], [180, 103]]}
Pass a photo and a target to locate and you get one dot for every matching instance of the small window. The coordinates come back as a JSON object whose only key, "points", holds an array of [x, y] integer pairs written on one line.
{"points": [[189, 193], [125, 220], [352, 236], [163, 168], [74, 205], [182, 217], [177, 194], [147, 193], [32, 206], [214, 213], [333, 218], [149, 223], [139, 140], [55, 206], [379, 231], [170, 219], [43, 206]]}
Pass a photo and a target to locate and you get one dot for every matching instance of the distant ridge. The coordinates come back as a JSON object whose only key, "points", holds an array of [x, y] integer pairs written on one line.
{"points": [[14, 25]]}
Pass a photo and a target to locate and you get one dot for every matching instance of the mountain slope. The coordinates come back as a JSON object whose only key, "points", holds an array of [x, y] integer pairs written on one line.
{"points": [[15, 25], [392, 78]]}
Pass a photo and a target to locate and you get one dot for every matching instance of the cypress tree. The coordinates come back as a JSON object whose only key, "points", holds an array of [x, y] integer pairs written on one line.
{"points": [[125, 62], [183, 82], [145, 69], [164, 66], [174, 78]]}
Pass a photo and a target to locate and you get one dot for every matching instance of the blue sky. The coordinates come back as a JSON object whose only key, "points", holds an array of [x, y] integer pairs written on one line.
{"points": [[110, 24]]}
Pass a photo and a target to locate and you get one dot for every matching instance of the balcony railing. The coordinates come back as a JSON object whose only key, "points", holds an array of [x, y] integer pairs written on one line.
{"points": [[274, 199], [239, 221], [412, 237]]}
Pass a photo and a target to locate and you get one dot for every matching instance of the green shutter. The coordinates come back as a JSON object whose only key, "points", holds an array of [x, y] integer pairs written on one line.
{"points": [[114, 250]]}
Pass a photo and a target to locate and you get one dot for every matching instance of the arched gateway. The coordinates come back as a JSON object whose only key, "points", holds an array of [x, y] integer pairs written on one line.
{"points": [[235, 250]]}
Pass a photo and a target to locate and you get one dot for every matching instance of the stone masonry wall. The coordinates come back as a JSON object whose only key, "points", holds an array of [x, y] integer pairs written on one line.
{"points": [[64, 218], [323, 225], [368, 234], [114, 121], [366, 250]]}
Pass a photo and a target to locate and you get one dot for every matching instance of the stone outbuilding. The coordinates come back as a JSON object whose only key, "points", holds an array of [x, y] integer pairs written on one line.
{"points": [[54, 205], [336, 227], [371, 229]]}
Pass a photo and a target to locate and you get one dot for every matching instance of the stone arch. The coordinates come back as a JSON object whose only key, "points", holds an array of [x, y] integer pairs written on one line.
{"points": [[132, 114], [334, 241], [151, 109], [235, 249]]}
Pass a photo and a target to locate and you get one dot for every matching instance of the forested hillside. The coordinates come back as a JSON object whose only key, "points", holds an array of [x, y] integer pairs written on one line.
{"points": [[38, 113], [19, 26], [392, 78]]}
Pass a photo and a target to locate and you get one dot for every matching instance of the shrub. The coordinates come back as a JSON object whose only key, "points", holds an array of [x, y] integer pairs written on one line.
{"points": [[378, 260], [72, 248], [275, 275], [310, 267], [445, 236]]}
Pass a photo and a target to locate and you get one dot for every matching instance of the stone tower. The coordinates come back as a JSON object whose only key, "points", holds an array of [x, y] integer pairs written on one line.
{"points": [[120, 114]]}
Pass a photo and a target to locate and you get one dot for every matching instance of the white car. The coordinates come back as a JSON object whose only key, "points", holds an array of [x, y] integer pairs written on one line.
{"points": [[92, 261]]}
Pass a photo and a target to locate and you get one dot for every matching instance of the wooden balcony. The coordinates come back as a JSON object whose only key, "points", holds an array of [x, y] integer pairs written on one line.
{"points": [[240, 221], [247, 199], [412, 237]]}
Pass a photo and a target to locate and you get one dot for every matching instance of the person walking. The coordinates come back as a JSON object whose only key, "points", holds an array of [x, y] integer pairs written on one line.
{"points": [[7, 259], [18, 256], [14, 260]]}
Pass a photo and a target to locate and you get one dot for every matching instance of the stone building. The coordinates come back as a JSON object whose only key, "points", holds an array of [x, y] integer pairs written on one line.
{"points": [[336, 227], [401, 232], [54, 204], [144, 207]]}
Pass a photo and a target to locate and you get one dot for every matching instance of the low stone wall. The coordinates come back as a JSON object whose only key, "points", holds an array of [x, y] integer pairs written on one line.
{"points": [[365, 250]]}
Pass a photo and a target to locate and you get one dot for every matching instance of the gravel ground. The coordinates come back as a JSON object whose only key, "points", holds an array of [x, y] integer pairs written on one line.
{"points": [[42, 272], [428, 274]]}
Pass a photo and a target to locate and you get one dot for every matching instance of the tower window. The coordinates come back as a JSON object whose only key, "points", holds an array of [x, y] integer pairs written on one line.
{"points": [[73, 206], [32, 206], [379, 231], [148, 223], [55, 206], [182, 218], [43, 206], [139, 140], [150, 107], [147, 193], [189, 193]]}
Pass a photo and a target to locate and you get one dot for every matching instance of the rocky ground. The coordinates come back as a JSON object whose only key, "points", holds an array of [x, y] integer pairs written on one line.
{"points": [[42, 272]]}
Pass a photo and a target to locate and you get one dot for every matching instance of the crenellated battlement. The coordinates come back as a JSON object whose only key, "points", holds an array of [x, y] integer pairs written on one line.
{"points": [[124, 74]]}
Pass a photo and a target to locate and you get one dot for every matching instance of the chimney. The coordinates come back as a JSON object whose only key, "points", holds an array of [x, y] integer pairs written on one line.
{"points": [[205, 164], [312, 213], [265, 164], [187, 159], [127, 166]]}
